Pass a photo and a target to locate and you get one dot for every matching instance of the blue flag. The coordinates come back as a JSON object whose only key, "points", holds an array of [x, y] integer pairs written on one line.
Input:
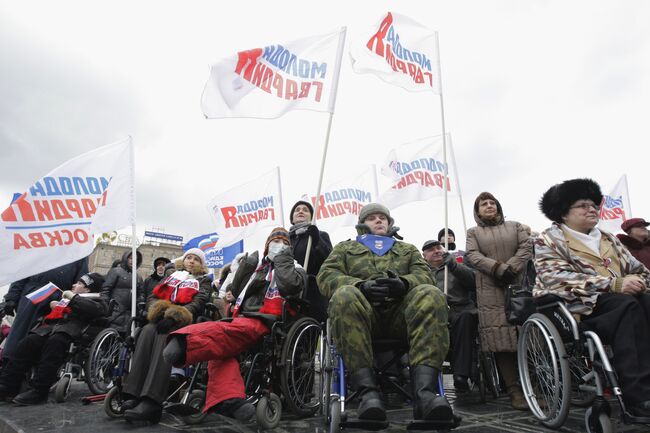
{"points": [[215, 257]]}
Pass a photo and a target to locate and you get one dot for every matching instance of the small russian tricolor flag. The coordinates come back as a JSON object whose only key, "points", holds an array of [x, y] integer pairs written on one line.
{"points": [[38, 296]]}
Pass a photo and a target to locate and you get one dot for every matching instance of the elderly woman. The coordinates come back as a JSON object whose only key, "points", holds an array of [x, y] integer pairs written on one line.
{"points": [[499, 250], [599, 280]]}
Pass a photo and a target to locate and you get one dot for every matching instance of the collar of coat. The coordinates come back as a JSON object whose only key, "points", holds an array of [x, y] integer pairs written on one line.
{"points": [[555, 237]]}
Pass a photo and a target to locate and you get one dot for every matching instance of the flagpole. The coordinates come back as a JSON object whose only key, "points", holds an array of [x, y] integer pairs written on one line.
{"points": [[460, 195], [134, 253], [335, 81], [280, 194], [629, 202]]}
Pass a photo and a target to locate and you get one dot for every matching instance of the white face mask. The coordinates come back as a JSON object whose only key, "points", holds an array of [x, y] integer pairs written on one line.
{"points": [[275, 248]]}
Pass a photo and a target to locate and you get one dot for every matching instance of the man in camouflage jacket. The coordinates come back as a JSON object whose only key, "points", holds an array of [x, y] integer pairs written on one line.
{"points": [[379, 287]]}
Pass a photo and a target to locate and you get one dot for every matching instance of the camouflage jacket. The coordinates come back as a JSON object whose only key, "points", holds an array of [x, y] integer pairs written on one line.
{"points": [[351, 262], [567, 272]]}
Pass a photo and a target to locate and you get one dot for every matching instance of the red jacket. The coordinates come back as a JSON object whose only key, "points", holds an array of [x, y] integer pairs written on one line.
{"points": [[640, 250]]}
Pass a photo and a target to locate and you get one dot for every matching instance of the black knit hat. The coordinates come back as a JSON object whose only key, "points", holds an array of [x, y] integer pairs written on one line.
{"points": [[298, 203], [441, 233], [93, 281], [555, 202]]}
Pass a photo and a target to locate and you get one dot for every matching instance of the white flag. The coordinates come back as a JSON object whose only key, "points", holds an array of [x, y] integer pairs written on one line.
{"points": [[417, 172], [615, 207], [267, 82], [400, 51], [240, 212], [52, 223], [341, 202]]}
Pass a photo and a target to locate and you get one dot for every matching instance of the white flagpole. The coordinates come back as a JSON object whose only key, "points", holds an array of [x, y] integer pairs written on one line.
{"points": [[280, 194], [627, 193], [134, 254], [335, 81], [460, 195]]}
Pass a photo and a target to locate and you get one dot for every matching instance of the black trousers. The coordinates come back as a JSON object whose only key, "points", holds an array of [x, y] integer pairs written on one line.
{"points": [[623, 322], [149, 375], [46, 353], [464, 329]]}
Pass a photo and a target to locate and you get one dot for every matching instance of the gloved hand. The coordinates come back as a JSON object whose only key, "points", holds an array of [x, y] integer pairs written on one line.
{"points": [[449, 261], [68, 294], [509, 276], [165, 325], [396, 286], [9, 308], [374, 293]]}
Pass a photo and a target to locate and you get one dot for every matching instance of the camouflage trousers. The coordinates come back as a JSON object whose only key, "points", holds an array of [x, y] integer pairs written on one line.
{"points": [[420, 319]]}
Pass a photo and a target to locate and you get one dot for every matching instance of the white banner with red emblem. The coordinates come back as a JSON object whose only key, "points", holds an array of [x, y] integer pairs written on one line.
{"points": [[615, 207]]}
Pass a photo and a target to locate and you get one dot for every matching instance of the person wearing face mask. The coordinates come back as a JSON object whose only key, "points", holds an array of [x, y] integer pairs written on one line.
{"points": [[300, 232], [156, 276], [499, 250], [259, 287], [380, 287]]}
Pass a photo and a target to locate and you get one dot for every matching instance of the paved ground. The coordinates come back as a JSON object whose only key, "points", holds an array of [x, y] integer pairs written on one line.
{"points": [[72, 417]]}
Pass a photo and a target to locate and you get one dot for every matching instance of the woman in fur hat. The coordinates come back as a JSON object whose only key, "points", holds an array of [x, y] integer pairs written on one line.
{"points": [[599, 280], [499, 250], [176, 302], [259, 287]]}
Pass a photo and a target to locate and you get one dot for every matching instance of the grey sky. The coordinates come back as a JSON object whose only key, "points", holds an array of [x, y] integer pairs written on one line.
{"points": [[535, 92]]}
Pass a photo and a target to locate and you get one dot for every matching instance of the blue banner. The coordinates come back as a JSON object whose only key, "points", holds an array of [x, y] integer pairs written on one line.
{"points": [[164, 236], [215, 257]]}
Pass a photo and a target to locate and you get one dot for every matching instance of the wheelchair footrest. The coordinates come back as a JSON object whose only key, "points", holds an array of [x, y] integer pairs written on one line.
{"points": [[365, 424], [92, 398], [180, 409], [631, 419], [420, 424]]}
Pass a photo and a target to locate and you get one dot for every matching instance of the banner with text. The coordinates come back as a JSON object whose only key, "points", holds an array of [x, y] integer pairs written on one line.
{"points": [[400, 51], [267, 82], [215, 256], [615, 207], [243, 210], [53, 222], [340, 202], [417, 172]]}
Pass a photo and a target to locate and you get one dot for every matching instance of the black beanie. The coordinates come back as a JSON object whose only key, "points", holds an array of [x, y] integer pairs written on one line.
{"points": [[298, 203], [441, 233]]}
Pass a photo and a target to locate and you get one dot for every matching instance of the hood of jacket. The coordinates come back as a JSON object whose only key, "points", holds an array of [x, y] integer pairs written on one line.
{"points": [[483, 223], [124, 263]]}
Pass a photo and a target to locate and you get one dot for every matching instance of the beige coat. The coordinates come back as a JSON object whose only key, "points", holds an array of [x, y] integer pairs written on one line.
{"points": [[491, 249]]}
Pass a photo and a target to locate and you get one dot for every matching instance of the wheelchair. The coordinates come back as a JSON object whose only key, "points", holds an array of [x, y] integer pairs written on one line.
{"points": [[561, 365], [392, 373]]}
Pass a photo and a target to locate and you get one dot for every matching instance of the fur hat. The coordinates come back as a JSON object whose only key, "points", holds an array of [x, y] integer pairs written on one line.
{"points": [[441, 233], [93, 281], [555, 202], [278, 233], [198, 253], [298, 203]]}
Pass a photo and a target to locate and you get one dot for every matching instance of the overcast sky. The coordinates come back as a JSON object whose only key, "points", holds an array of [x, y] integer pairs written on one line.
{"points": [[536, 92]]}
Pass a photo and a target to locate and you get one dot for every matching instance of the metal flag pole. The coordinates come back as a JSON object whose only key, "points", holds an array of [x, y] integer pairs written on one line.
{"points": [[460, 195], [335, 81], [134, 253]]}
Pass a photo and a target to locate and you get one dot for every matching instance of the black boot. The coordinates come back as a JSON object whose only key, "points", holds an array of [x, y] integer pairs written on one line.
{"points": [[371, 407], [237, 408], [31, 396], [7, 393], [427, 404], [147, 411], [174, 352]]}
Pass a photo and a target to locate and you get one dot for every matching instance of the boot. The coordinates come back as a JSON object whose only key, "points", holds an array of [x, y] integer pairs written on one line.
{"points": [[7, 393], [31, 396], [371, 407], [237, 408], [427, 404], [517, 399], [147, 411]]}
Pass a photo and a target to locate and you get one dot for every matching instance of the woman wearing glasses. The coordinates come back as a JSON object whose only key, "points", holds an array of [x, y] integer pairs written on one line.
{"points": [[599, 280]]}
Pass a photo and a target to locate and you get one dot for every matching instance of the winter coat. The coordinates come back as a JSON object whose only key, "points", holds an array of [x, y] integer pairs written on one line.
{"points": [[640, 250], [83, 312], [461, 288], [117, 287], [491, 249], [352, 262], [185, 311], [289, 277], [152, 280], [569, 269]]}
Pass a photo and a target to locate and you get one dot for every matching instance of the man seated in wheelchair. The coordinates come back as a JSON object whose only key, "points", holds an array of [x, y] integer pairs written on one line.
{"points": [[46, 346], [381, 287], [259, 286], [599, 280]]}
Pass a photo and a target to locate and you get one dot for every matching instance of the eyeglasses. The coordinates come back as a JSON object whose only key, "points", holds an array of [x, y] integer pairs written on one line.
{"points": [[585, 206]]}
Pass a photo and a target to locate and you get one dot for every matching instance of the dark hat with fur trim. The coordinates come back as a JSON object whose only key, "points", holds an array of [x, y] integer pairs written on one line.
{"points": [[555, 202], [298, 203]]}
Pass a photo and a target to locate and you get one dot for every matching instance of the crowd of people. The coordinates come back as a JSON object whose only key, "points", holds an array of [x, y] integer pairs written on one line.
{"points": [[375, 285]]}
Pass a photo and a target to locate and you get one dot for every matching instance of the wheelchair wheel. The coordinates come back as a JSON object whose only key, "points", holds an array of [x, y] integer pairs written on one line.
{"points": [[196, 400], [102, 358], [62, 388], [298, 374], [602, 424], [113, 403], [580, 367], [490, 374], [269, 411], [544, 371], [325, 376], [480, 384]]}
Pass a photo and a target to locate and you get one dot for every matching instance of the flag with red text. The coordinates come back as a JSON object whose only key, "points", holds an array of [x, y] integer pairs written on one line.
{"points": [[52, 223], [241, 211], [267, 82], [417, 172], [615, 207], [400, 51]]}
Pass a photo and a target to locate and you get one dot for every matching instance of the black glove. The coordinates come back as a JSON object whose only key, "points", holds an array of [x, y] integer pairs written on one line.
{"points": [[509, 276], [374, 293], [9, 308], [165, 325], [397, 287], [449, 261]]}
